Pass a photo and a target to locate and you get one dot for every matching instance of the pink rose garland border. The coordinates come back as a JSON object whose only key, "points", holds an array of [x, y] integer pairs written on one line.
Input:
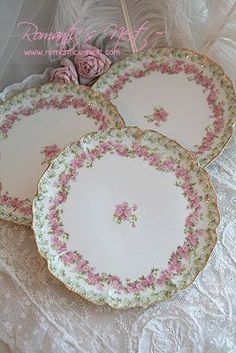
{"points": [[175, 264], [24, 207], [66, 102], [216, 106]]}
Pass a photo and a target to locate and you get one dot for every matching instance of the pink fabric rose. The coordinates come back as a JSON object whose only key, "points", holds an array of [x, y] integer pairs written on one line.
{"points": [[90, 64], [66, 74]]}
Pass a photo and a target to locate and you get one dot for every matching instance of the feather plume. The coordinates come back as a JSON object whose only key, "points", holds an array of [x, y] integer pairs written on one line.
{"points": [[207, 26], [220, 38], [114, 23], [177, 16]]}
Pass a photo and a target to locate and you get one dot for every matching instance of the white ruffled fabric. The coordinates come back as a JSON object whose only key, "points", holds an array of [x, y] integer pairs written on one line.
{"points": [[38, 314]]}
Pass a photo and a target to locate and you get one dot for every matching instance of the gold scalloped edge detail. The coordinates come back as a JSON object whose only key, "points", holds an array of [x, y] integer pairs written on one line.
{"points": [[205, 60], [41, 90], [212, 232]]}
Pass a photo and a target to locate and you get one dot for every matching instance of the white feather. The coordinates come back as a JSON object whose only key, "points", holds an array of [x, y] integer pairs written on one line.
{"points": [[178, 16], [94, 15], [220, 38], [91, 17], [207, 26]]}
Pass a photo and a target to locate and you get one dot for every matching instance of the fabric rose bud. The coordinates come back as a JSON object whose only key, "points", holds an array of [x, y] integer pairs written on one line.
{"points": [[90, 64], [66, 74]]}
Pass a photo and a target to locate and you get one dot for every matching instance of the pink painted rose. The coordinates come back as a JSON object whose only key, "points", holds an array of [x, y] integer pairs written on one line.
{"points": [[211, 98], [123, 211], [154, 159], [69, 257], [152, 66], [94, 279], [164, 278], [192, 239], [169, 164], [160, 115], [90, 64], [139, 73], [66, 73], [50, 152], [183, 251], [174, 265], [121, 150]]}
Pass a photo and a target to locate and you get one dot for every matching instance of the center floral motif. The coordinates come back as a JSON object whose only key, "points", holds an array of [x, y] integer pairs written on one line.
{"points": [[50, 152], [125, 213], [158, 116]]}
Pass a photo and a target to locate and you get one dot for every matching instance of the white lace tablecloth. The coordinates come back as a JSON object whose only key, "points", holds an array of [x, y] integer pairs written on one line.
{"points": [[39, 315]]}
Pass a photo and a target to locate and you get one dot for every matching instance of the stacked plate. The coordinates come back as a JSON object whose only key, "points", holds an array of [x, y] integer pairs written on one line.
{"points": [[124, 215]]}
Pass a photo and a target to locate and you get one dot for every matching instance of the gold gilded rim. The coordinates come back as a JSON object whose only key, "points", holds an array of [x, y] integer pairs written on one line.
{"points": [[41, 90], [212, 232], [173, 50]]}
